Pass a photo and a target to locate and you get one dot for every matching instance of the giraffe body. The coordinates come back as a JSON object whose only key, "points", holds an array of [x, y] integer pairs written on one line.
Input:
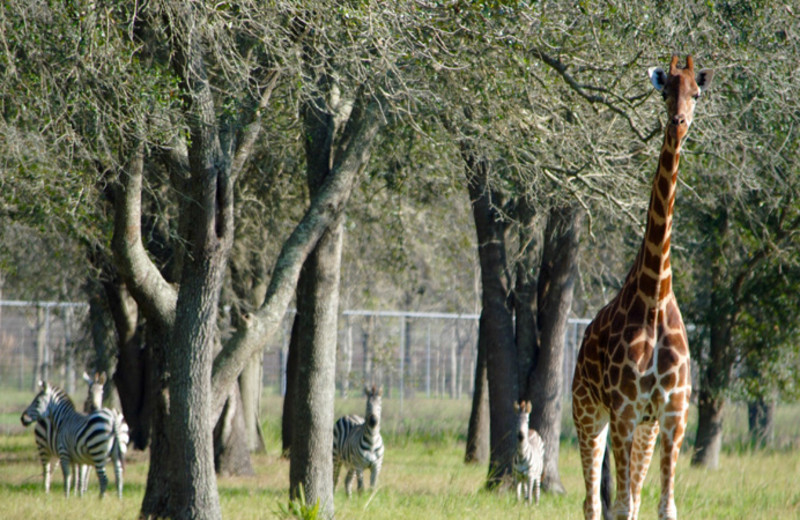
{"points": [[632, 377]]}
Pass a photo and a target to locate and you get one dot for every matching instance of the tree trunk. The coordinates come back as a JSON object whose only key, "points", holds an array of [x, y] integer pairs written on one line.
{"points": [[250, 388], [311, 462], [761, 422], [709, 430], [292, 369], [556, 283], [133, 376], [194, 491], [496, 324], [715, 371], [478, 431], [231, 447], [157, 490]]}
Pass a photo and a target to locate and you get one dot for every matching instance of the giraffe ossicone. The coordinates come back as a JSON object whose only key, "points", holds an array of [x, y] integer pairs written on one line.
{"points": [[632, 377]]}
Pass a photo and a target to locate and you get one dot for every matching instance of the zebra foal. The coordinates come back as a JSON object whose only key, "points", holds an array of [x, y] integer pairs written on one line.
{"points": [[77, 438], [528, 463], [357, 444]]}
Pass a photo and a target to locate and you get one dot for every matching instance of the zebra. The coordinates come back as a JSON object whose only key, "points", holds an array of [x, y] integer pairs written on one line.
{"points": [[45, 437], [528, 463], [94, 399], [357, 444], [77, 438]]}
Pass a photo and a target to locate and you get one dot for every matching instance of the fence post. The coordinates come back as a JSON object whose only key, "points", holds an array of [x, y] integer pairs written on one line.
{"points": [[428, 362]]}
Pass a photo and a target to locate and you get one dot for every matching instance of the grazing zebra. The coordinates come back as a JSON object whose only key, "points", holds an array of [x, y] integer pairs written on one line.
{"points": [[357, 444], [77, 438], [528, 463]]}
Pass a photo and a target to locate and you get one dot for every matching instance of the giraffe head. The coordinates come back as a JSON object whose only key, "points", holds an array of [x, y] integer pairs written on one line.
{"points": [[680, 88]]}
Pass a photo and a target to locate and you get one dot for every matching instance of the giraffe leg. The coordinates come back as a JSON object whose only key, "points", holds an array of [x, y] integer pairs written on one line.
{"points": [[673, 428], [622, 444], [644, 441], [592, 442]]}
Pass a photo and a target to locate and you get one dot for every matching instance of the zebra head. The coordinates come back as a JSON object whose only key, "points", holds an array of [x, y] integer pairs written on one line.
{"points": [[94, 399], [523, 411], [38, 407], [373, 413]]}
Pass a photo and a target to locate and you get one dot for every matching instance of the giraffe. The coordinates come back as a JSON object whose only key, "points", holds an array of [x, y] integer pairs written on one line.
{"points": [[632, 376]]}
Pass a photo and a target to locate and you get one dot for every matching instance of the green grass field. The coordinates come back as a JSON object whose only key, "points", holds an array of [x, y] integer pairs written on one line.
{"points": [[423, 476]]}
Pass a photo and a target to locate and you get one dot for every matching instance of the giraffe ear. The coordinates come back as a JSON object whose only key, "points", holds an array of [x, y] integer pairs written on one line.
{"points": [[657, 77], [528, 407], [516, 407], [101, 378], [87, 378], [703, 79]]}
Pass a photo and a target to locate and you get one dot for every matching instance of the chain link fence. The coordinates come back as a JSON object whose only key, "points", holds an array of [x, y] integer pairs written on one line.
{"points": [[409, 354]]}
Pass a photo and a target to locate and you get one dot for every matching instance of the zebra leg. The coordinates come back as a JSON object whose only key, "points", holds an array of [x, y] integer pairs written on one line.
{"points": [[118, 475], [66, 471], [373, 475], [537, 485], [360, 477], [337, 466], [519, 491], [85, 478], [46, 474], [103, 478], [348, 482]]}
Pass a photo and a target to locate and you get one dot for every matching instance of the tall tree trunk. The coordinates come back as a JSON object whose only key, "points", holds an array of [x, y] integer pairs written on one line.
{"points": [[715, 371], [292, 369], [311, 462], [159, 475], [496, 323], [478, 431], [555, 289]]}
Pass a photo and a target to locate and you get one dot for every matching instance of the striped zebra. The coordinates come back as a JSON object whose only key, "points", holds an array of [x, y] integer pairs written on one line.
{"points": [[528, 464], [77, 438], [357, 444]]}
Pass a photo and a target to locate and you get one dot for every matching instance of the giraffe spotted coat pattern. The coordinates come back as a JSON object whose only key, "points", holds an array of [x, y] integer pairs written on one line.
{"points": [[632, 377]]}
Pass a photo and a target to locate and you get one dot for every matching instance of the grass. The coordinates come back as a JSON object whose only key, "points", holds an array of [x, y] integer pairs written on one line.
{"points": [[423, 476]]}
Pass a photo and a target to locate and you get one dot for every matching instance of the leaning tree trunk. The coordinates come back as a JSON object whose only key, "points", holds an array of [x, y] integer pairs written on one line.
{"points": [[496, 323], [311, 463], [478, 431], [556, 283]]}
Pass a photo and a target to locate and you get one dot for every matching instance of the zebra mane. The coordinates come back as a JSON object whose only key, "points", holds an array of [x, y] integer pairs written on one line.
{"points": [[56, 395]]}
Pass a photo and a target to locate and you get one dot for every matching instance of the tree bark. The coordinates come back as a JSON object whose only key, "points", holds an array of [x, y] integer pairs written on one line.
{"points": [[497, 329], [311, 462], [250, 389], [292, 369], [559, 268], [231, 447], [715, 371], [478, 430]]}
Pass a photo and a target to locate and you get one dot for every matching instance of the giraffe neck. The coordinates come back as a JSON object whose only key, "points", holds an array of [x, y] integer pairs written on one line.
{"points": [[652, 272]]}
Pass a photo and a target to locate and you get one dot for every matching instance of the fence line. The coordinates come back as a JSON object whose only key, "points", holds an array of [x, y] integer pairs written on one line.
{"points": [[431, 354]]}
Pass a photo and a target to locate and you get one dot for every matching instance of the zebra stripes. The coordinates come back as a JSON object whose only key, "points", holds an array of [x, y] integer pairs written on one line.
{"points": [[528, 463], [357, 444], [77, 438]]}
